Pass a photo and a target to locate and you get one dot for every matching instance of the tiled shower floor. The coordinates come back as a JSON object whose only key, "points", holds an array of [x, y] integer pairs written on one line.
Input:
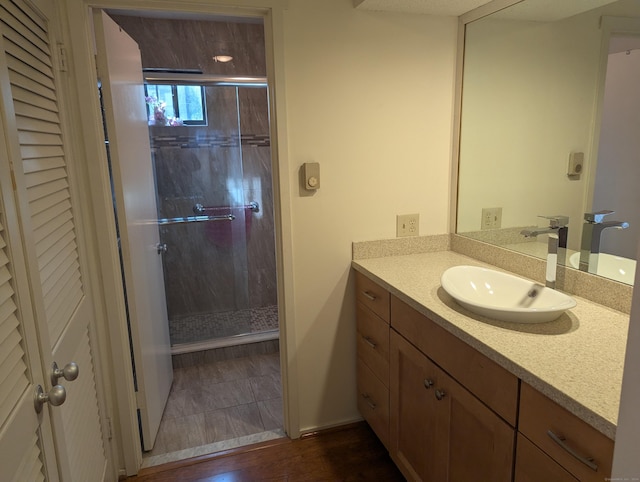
{"points": [[220, 405], [206, 326]]}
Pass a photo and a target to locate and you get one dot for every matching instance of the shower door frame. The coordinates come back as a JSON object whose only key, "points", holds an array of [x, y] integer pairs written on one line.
{"points": [[79, 12], [210, 80]]}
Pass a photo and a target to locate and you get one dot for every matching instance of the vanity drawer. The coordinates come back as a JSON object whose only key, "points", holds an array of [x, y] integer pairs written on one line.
{"points": [[541, 417], [487, 380], [533, 465], [373, 402], [373, 342], [372, 296]]}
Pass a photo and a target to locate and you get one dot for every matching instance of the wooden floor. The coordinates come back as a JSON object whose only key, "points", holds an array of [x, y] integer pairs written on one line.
{"points": [[349, 453]]}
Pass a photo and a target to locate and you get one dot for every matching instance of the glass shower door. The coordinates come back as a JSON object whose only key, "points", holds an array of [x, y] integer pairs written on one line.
{"points": [[206, 221]]}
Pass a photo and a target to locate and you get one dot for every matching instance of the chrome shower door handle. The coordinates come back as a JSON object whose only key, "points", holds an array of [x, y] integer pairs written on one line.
{"points": [[161, 248]]}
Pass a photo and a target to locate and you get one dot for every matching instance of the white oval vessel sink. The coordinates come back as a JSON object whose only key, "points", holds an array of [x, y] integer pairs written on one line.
{"points": [[504, 297], [613, 267]]}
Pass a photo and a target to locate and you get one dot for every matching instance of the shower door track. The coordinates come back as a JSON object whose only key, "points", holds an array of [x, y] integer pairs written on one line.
{"points": [[226, 341], [203, 79]]}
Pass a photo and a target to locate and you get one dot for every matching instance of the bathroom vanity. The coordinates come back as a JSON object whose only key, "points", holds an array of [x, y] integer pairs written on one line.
{"points": [[455, 396]]}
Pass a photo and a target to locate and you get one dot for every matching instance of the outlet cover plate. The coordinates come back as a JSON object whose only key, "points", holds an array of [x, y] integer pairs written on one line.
{"points": [[491, 218], [407, 225]]}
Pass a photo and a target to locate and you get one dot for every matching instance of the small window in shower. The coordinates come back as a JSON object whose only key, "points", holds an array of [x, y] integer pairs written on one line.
{"points": [[175, 105]]}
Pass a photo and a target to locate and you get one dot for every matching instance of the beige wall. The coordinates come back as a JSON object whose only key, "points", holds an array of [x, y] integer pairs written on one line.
{"points": [[369, 96]]}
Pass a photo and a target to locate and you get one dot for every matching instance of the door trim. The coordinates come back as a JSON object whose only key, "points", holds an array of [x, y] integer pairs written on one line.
{"points": [[116, 363]]}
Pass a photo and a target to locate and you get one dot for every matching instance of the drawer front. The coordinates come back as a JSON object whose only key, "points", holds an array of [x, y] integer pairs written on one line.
{"points": [[372, 296], [373, 402], [541, 417], [483, 377], [533, 465], [373, 342]]}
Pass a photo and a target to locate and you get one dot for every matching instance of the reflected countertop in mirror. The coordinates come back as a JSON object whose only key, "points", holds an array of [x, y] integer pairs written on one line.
{"points": [[535, 97]]}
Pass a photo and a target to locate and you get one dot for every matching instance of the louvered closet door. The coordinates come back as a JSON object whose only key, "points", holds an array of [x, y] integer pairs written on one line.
{"points": [[51, 233], [24, 436]]}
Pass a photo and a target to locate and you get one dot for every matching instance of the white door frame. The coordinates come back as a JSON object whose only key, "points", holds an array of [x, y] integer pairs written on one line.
{"points": [[118, 365]]}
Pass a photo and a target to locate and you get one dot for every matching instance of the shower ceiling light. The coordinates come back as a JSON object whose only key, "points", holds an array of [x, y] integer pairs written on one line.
{"points": [[222, 58]]}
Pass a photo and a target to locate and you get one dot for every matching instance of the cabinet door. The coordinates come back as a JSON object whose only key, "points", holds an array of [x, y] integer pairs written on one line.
{"points": [[533, 465], [473, 442], [440, 431], [412, 412]]}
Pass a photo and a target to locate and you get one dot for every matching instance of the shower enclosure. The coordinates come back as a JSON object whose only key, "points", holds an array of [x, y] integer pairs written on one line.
{"points": [[210, 149]]}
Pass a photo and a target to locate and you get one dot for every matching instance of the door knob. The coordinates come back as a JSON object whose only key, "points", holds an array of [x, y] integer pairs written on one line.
{"points": [[161, 247], [56, 397], [70, 372]]}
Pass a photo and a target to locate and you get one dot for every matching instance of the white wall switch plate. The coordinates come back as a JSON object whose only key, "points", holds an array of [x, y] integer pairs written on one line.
{"points": [[407, 225]]}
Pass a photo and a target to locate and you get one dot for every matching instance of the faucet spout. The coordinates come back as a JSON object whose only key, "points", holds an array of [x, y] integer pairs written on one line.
{"points": [[557, 237], [591, 237]]}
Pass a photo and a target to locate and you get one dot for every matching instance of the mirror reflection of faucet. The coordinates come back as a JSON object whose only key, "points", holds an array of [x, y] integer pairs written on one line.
{"points": [[558, 231], [591, 236]]}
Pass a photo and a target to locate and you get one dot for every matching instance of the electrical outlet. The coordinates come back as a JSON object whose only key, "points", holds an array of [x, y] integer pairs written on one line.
{"points": [[407, 225], [491, 218]]}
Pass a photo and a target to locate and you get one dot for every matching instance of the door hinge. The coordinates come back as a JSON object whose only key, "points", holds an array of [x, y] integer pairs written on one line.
{"points": [[62, 57]]}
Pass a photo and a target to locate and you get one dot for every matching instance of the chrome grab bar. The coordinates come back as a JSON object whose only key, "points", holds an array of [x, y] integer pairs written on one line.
{"points": [[195, 219], [201, 209]]}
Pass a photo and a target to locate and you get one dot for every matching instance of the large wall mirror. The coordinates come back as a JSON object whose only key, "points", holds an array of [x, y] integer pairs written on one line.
{"points": [[550, 126]]}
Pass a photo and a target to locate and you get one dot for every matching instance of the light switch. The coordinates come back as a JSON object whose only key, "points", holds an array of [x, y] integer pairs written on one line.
{"points": [[311, 176]]}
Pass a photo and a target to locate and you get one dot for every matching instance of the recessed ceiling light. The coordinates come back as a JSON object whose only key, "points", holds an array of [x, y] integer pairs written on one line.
{"points": [[222, 58]]}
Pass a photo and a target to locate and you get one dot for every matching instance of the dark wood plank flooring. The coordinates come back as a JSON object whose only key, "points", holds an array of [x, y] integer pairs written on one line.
{"points": [[348, 453]]}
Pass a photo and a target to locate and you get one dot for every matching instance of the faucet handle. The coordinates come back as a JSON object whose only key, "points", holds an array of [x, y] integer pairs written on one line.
{"points": [[557, 220], [597, 217]]}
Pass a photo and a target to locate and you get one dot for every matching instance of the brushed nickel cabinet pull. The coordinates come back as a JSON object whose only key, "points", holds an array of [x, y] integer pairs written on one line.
{"points": [[561, 441], [369, 341], [428, 383], [369, 296], [440, 394], [370, 402]]}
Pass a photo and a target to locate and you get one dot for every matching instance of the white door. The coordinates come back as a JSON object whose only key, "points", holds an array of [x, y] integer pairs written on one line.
{"points": [[24, 436], [120, 71], [47, 227]]}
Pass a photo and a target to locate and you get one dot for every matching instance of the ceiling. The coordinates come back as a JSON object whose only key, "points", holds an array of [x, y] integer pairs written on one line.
{"points": [[536, 10]]}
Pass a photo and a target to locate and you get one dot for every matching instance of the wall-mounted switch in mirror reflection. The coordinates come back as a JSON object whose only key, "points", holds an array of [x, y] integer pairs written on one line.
{"points": [[311, 176], [576, 164]]}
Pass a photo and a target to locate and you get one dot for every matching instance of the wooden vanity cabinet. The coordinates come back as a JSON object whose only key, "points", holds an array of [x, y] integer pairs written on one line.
{"points": [[447, 413], [372, 318], [580, 449], [439, 430]]}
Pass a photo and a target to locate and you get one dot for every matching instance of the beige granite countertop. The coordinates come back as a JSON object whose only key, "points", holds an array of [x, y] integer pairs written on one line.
{"points": [[576, 360]]}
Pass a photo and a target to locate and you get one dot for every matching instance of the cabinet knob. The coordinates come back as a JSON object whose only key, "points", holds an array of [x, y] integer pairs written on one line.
{"points": [[428, 383], [440, 394]]}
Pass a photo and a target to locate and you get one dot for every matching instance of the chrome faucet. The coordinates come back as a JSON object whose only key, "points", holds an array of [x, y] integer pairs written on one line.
{"points": [[557, 231], [592, 235]]}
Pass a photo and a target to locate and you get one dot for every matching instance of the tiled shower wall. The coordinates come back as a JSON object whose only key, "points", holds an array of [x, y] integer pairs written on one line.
{"points": [[221, 266]]}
